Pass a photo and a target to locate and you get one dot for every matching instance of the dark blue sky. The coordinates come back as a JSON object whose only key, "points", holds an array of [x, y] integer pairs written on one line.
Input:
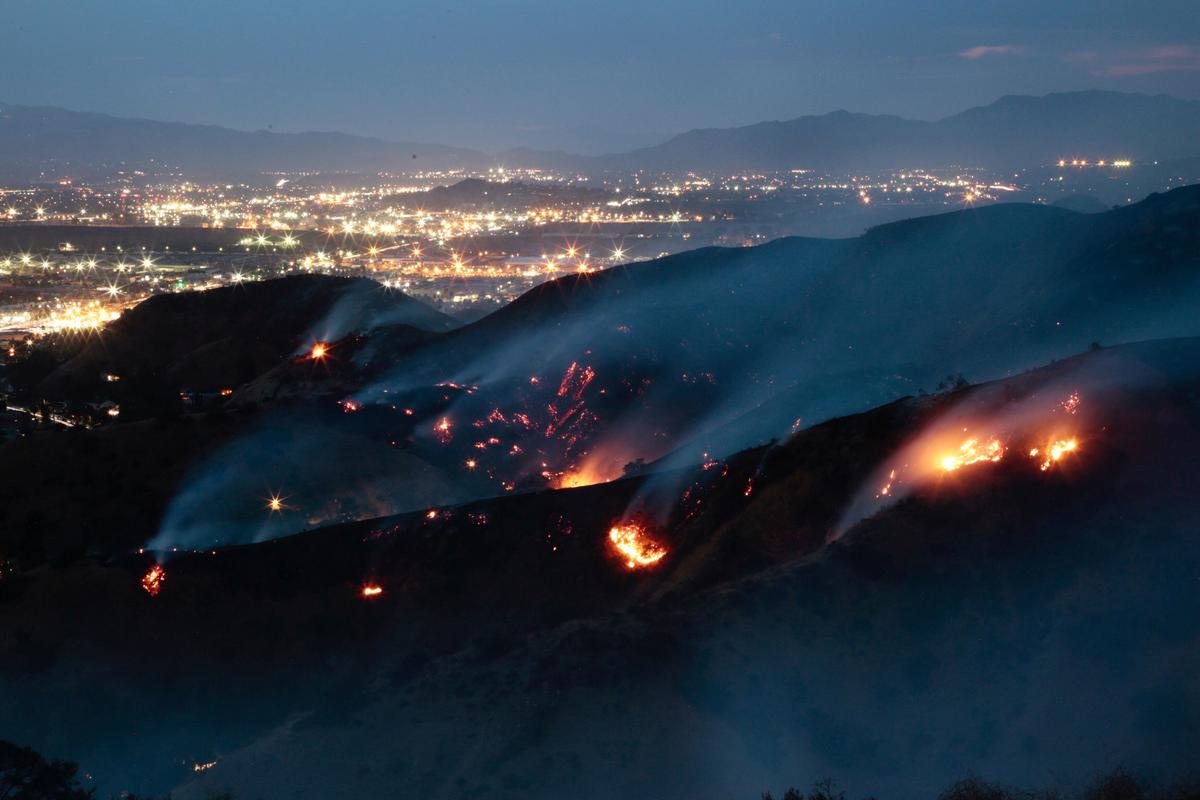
{"points": [[587, 76]]}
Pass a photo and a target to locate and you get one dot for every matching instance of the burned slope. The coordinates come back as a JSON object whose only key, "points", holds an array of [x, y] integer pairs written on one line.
{"points": [[417, 678], [1021, 624]]}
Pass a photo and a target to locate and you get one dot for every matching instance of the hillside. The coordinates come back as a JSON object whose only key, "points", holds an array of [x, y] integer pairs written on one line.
{"points": [[224, 338], [752, 634]]}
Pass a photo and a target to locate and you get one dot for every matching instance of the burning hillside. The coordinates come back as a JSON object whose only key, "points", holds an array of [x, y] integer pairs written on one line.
{"points": [[677, 571], [580, 380], [982, 430]]}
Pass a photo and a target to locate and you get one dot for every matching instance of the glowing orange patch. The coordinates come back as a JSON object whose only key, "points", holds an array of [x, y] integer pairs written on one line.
{"points": [[634, 545], [152, 581]]}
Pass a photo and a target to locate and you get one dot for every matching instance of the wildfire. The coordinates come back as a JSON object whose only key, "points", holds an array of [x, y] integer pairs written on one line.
{"points": [[319, 351], [635, 546], [152, 581], [443, 431], [1054, 452], [370, 590], [207, 765], [576, 477], [275, 503], [972, 452]]}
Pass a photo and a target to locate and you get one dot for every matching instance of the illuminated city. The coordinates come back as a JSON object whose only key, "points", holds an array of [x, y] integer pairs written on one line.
{"points": [[469, 254]]}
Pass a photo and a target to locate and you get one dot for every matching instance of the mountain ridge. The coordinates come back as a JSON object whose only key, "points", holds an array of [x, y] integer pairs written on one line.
{"points": [[1012, 131]]}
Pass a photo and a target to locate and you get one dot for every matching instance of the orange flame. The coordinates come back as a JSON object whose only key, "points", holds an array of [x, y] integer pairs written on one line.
{"points": [[575, 477], [319, 351], [972, 452], [1055, 451], [370, 590], [152, 581], [635, 546]]}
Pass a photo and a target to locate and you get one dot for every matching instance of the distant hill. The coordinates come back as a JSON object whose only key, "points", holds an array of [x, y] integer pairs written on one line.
{"points": [[477, 193], [37, 140], [1014, 131], [223, 338]]}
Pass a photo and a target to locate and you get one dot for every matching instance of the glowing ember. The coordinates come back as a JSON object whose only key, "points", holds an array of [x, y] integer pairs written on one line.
{"points": [[275, 503], [443, 431], [207, 765], [635, 546], [886, 489], [1055, 451], [152, 581], [972, 452], [1071, 404], [371, 590], [349, 406], [319, 351]]}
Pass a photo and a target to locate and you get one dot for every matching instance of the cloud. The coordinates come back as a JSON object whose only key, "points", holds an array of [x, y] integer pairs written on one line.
{"points": [[981, 50], [1144, 61]]}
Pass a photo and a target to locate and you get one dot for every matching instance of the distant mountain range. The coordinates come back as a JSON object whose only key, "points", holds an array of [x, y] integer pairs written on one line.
{"points": [[37, 140], [1014, 131]]}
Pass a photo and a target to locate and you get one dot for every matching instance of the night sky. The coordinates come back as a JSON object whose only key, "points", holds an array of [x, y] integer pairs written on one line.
{"points": [[584, 76]]}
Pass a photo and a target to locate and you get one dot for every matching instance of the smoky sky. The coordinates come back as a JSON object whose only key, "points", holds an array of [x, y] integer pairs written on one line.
{"points": [[576, 74]]}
